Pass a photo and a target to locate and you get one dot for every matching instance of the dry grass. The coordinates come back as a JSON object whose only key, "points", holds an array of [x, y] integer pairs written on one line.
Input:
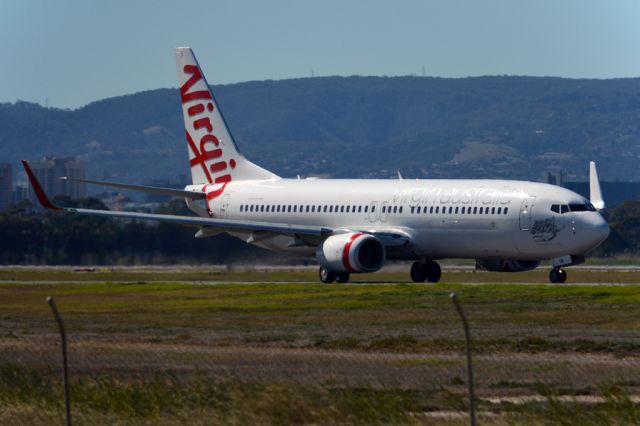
{"points": [[154, 351]]}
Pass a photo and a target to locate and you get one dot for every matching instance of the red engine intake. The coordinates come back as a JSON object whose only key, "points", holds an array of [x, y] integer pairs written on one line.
{"points": [[352, 252]]}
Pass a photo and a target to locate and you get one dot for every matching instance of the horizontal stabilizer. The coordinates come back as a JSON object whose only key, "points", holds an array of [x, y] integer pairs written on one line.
{"points": [[152, 189]]}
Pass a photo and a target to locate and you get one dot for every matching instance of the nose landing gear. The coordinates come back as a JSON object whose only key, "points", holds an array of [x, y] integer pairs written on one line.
{"points": [[558, 276], [428, 271]]}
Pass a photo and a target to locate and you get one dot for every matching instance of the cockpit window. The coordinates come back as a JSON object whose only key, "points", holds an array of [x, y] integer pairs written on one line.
{"points": [[587, 207], [563, 208]]}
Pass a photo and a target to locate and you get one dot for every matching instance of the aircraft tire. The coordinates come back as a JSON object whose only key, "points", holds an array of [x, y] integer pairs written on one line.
{"points": [[562, 275], [326, 276], [434, 272], [418, 272], [558, 276], [342, 277]]}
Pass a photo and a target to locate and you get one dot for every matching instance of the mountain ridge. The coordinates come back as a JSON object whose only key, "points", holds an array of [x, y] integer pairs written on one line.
{"points": [[427, 127]]}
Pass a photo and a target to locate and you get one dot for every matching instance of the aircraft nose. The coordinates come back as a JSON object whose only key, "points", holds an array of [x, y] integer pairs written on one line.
{"points": [[599, 230]]}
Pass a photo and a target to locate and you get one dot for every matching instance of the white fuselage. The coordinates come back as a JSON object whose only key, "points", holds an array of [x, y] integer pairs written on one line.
{"points": [[443, 218]]}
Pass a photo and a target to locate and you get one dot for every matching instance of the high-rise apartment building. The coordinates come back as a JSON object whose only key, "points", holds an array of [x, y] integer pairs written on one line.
{"points": [[6, 186], [49, 171]]}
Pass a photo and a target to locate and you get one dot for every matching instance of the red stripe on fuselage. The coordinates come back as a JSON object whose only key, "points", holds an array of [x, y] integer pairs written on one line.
{"points": [[345, 252]]}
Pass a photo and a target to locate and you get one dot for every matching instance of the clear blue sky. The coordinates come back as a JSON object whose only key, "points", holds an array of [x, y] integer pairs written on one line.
{"points": [[78, 51]]}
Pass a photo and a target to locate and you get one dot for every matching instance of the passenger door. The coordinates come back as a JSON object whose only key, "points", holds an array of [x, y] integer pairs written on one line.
{"points": [[525, 213]]}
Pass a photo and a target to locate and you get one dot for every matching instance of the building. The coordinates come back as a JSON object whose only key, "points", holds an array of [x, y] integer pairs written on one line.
{"points": [[553, 177], [6, 186], [20, 192], [49, 171]]}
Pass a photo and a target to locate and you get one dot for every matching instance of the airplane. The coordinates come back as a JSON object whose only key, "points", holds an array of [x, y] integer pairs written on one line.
{"points": [[357, 225]]}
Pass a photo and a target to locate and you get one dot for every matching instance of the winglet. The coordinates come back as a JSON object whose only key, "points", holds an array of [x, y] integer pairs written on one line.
{"points": [[42, 196], [595, 194]]}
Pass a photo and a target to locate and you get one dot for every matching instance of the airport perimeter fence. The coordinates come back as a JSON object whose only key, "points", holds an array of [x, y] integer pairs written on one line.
{"points": [[232, 368]]}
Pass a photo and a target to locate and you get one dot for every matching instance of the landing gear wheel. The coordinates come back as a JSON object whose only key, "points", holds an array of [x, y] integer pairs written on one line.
{"points": [[558, 276], [342, 277], [433, 271], [326, 276], [428, 271], [418, 272]]}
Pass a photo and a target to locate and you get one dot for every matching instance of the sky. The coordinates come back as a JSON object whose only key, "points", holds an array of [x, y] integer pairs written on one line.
{"points": [[68, 53]]}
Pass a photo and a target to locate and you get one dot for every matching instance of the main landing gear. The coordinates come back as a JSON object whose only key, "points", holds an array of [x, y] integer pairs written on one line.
{"points": [[327, 276], [558, 276], [428, 271]]}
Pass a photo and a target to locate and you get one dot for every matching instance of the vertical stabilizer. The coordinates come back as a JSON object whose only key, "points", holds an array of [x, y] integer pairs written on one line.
{"points": [[213, 155]]}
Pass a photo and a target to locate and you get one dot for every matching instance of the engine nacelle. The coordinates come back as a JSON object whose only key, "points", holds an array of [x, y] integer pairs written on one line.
{"points": [[352, 252], [506, 265]]}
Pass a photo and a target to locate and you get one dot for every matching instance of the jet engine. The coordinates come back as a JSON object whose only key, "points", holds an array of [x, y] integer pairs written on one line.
{"points": [[352, 252], [506, 265]]}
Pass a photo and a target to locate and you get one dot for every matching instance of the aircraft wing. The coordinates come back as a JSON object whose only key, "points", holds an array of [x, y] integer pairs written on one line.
{"points": [[389, 237], [222, 224]]}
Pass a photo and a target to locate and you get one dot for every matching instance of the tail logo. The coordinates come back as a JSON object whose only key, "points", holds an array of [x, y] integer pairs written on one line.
{"points": [[199, 117]]}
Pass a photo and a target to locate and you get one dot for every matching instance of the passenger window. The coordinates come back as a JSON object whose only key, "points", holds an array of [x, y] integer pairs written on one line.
{"points": [[462, 210], [373, 209], [384, 209], [341, 209], [450, 210], [475, 210], [395, 209], [506, 209], [366, 209], [456, 211], [400, 210], [359, 209], [437, 209], [430, 209], [499, 210], [348, 209]]}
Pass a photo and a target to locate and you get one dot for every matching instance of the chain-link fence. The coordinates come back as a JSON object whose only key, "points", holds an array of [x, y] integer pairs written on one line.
{"points": [[171, 353]]}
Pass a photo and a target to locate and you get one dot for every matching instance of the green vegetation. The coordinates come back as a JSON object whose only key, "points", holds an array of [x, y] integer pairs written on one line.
{"points": [[146, 351]]}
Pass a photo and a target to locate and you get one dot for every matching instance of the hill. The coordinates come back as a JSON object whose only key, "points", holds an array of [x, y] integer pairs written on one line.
{"points": [[495, 127]]}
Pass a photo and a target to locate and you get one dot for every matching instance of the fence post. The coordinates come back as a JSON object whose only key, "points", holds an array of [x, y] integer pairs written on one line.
{"points": [[467, 337], [65, 364]]}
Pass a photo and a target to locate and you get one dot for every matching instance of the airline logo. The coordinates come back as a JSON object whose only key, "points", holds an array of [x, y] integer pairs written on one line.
{"points": [[206, 148]]}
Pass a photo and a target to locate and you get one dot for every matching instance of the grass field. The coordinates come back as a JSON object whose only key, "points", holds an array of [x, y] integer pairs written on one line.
{"points": [[274, 347]]}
